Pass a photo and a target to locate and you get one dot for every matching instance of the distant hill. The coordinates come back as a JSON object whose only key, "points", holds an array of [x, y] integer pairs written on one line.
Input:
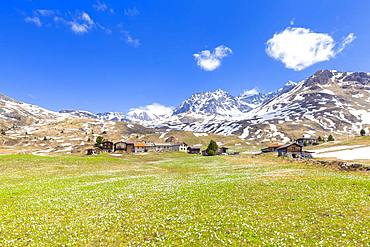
{"points": [[326, 102]]}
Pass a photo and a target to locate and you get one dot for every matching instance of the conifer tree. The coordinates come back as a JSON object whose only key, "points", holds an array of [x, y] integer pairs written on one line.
{"points": [[330, 138], [212, 148], [99, 141], [362, 132]]}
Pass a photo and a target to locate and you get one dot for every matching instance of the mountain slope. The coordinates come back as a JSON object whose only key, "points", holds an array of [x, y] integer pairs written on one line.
{"points": [[253, 98], [327, 102], [111, 116], [19, 113]]}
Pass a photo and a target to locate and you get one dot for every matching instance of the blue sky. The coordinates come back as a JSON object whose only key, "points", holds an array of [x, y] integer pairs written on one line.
{"points": [[112, 55]]}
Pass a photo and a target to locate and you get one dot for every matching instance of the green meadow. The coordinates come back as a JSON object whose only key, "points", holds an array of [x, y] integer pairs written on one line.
{"points": [[177, 199]]}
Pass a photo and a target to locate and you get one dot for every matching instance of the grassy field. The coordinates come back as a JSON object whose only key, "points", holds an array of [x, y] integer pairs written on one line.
{"points": [[358, 140], [178, 199]]}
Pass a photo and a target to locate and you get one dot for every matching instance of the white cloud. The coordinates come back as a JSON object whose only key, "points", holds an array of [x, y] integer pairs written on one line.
{"points": [[102, 7], [299, 48], [33, 20], [250, 92], [132, 41], [209, 61], [79, 22], [150, 112], [346, 41], [44, 12], [131, 12], [82, 24], [127, 37]]}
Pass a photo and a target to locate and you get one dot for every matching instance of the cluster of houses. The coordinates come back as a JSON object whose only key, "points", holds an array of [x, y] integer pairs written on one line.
{"points": [[292, 150], [130, 147]]}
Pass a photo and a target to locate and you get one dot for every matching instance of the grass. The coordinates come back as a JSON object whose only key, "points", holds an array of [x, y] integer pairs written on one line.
{"points": [[350, 141], [178, 199]]}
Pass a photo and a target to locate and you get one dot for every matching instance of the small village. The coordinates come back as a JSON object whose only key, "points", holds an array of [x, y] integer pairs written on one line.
{"points": [[124, 147], [294, 149]]}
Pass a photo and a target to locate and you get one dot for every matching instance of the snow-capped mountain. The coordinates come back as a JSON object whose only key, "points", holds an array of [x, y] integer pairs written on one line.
{"points": [[216, 103], [16, 112], [78, 113], [252, 98], [326, 102], [212, 105], [111, 116], [325, 95], [220, 103]]}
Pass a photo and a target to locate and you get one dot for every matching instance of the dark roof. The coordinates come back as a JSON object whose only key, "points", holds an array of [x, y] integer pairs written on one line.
{"points": [[288, 145], [120, 142], [274, 145]]}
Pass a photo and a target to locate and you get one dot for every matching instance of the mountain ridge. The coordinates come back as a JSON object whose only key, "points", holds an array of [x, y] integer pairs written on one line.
{"points": [[327, 101]]}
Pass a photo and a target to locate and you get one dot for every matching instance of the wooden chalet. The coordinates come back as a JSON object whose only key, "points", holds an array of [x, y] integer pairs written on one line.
{"points": [[271, 148], [120, 147], [107, 146], [166, 147], [130, 147], [222, 150], [194, 150], [124, 147], [92, 151], [293, 150]]}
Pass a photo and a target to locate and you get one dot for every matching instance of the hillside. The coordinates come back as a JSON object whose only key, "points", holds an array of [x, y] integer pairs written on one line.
{"points": [[328, 102]]}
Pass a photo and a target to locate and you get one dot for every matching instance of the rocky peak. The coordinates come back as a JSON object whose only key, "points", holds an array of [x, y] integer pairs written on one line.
{"points": [[112, 116], [361, 77], [320, 77], [218, 102]]}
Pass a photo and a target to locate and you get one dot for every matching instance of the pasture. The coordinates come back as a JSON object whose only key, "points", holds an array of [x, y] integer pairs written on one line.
{"points": [[178, 199]]}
